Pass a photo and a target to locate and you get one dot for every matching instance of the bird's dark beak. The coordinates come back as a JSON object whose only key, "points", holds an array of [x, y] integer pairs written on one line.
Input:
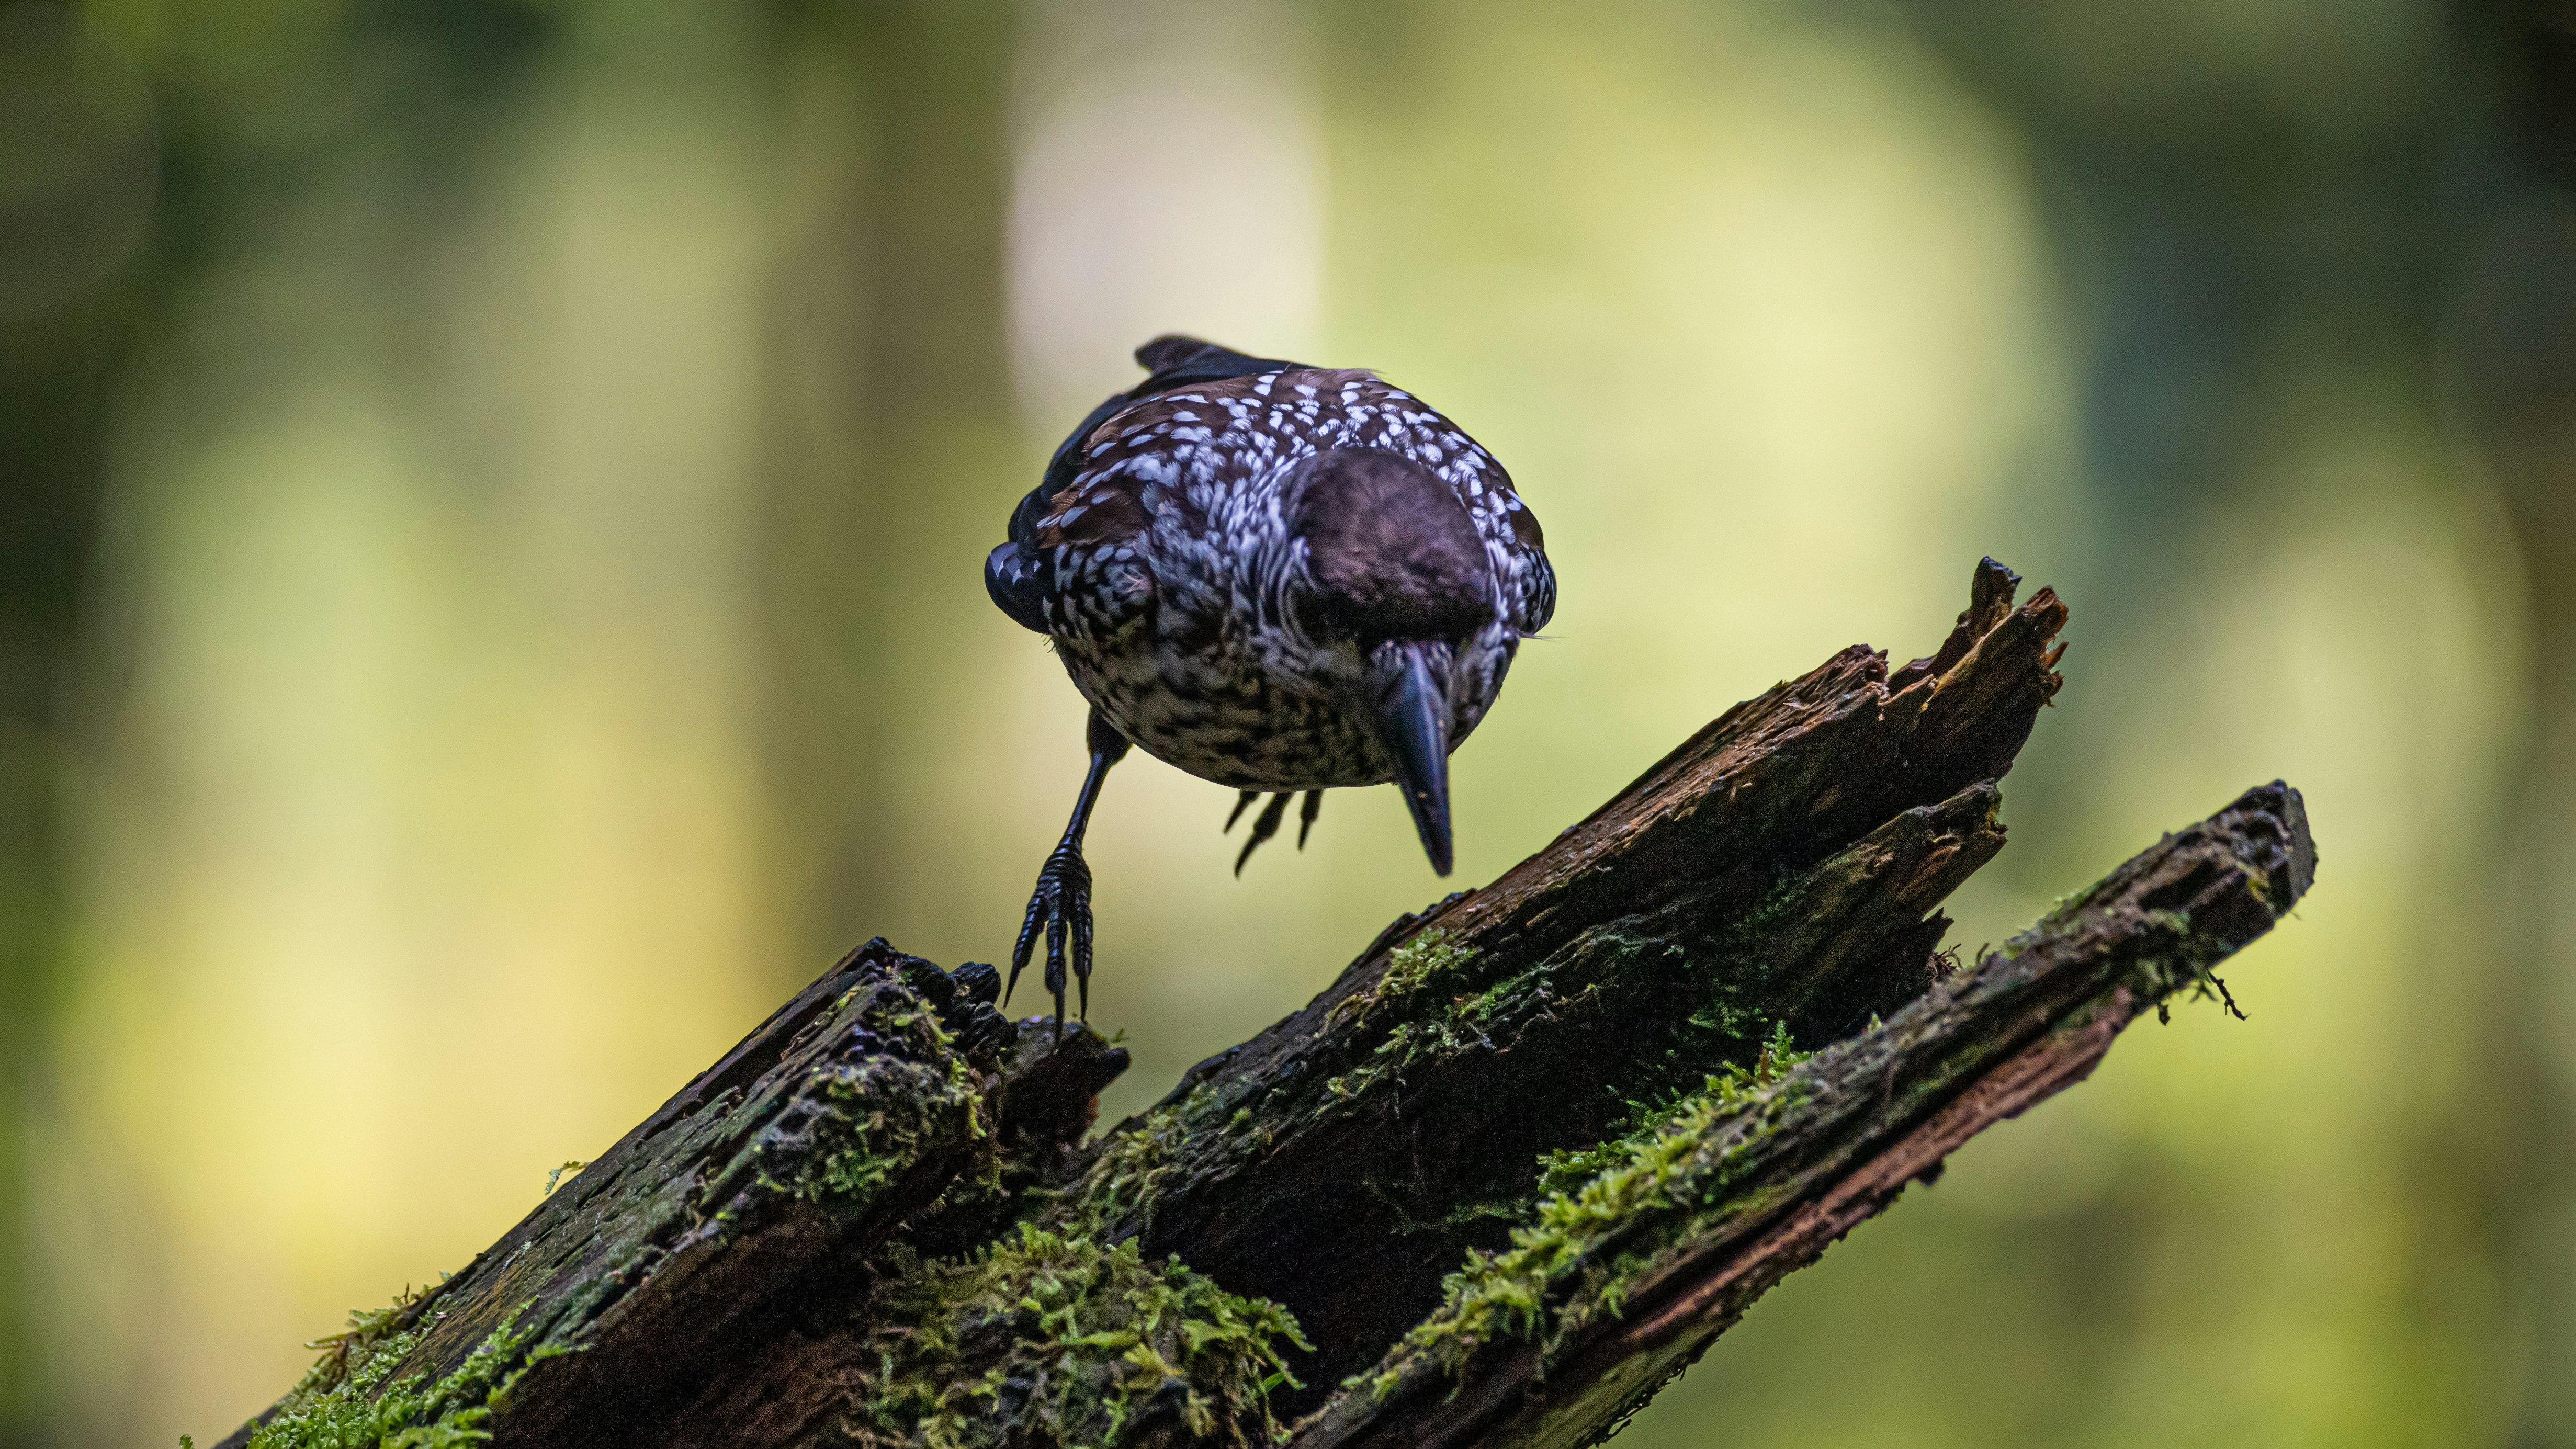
{"points": [[1413, 718]]}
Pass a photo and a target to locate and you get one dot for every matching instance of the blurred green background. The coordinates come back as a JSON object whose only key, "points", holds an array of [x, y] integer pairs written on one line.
{"points": [[492, 495]]}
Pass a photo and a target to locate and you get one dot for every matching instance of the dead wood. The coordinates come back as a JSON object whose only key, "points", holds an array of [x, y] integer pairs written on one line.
{"points": [[1523, 1159], [1603, 1305]]}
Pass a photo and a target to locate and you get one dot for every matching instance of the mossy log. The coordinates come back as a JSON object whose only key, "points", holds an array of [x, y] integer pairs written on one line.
{"points": [[678, 1250], [1619, 1284], [1519, 1163], [1782, 868]]}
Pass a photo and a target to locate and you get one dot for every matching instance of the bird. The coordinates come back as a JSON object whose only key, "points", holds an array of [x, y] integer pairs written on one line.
{"points": [[1281, 578]]}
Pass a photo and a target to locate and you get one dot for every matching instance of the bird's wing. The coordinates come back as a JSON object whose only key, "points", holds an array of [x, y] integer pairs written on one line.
{"points": [[1529, 581], [1174, 361], [1094, 501], [1065, 537]]}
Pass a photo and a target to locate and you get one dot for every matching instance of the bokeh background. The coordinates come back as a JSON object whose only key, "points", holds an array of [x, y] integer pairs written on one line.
{"points": [[492, 494]]}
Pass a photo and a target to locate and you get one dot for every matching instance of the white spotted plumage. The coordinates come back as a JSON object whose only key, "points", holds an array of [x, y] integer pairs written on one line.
{"points": [[1172, 578]]}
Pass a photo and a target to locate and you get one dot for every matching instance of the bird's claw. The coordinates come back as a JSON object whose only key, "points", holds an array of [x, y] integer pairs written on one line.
{"points": [[1266, 824], [1061, 907]]}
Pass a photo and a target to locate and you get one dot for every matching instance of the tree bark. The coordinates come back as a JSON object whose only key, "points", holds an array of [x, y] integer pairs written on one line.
{"points": [[1528, 1155], [1632, 1290], [1782, 867]]}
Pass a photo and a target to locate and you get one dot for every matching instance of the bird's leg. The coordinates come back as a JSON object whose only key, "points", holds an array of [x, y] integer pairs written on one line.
{"points": [[1242, 803], [1313, 807], [1062, 900], [1264, 826]]}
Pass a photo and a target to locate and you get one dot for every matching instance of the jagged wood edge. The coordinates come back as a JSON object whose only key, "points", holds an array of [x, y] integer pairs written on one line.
{"points": [[1778, 793], [1780, 1179], [1994, 671]]}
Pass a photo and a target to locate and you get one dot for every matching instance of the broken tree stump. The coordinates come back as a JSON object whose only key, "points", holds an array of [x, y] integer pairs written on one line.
{"points": [[1518, 1164], [1631, 1275]]}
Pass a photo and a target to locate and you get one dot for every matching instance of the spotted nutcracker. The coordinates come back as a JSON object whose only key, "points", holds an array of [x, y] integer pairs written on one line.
{"points": [[1277, 577]]}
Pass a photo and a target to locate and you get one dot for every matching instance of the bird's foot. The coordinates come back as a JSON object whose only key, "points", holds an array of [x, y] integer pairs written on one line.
{"points": [[1059, 907], [965, 999], [1266, 824]]}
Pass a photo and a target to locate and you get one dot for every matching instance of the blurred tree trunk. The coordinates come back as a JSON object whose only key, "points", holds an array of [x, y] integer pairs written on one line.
{"points": [[64, 346], [892, 408], [2518, 1159], [2516, 350], [56, 373], [2212, 210], [63, 372]]}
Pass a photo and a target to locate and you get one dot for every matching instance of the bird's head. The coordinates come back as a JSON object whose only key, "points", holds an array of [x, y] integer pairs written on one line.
{"points": [[1396, 570]]}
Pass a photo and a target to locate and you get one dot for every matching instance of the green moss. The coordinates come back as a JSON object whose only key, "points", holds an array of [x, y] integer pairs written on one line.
{"points": [[1566, 1171], [882, 1125], [1412, 968], [351, 1400], [1080, 1345], [1580, 1246], [877, 1116], [1123, 1175], [1732, 992]]}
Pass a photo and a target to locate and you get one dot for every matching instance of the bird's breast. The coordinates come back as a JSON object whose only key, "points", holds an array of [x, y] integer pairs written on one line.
{"points": [[1205, 699], [1252, 709]]}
